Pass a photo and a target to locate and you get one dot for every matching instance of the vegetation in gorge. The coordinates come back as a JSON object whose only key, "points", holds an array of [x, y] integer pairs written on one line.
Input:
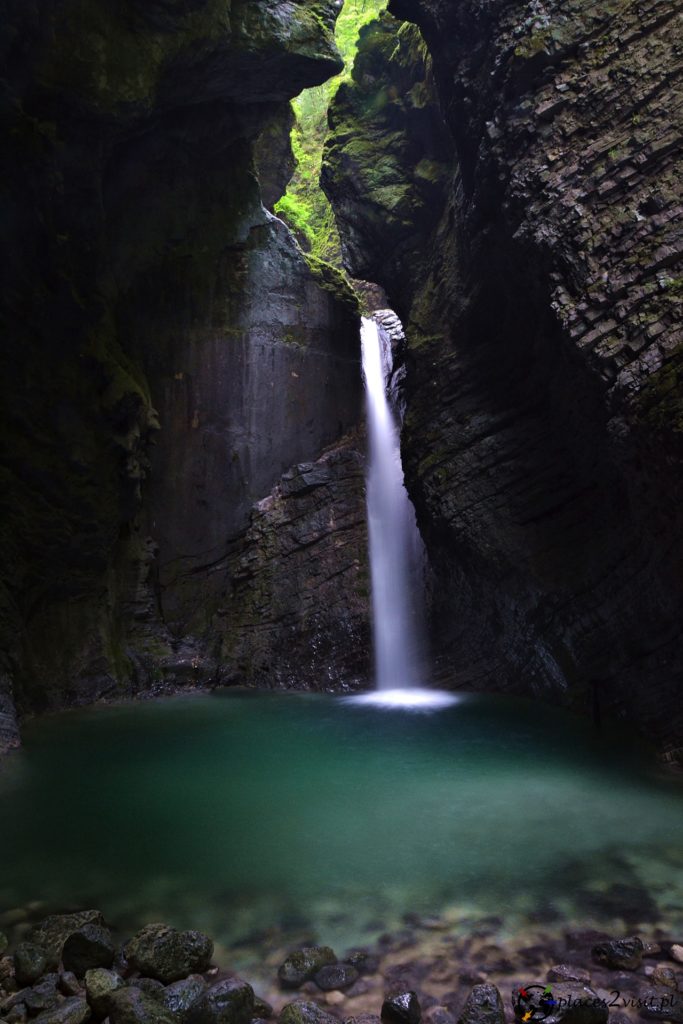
{"points": [[304, 206]]}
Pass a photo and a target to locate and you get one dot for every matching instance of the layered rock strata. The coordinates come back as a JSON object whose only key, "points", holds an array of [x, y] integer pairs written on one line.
{"points": [[540, 286]]}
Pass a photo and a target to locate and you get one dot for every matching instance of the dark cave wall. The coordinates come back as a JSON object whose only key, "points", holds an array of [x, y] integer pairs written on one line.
{"points": [[168, 352], [540, 286]]}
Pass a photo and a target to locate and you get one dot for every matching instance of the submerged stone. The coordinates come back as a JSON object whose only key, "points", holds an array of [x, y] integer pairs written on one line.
{"points": [[301, 965], [335, 976], [167, 954], [619, 954]]}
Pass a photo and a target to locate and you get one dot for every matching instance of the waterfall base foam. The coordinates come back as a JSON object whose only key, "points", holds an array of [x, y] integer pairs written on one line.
{"points": [[412, 698]]}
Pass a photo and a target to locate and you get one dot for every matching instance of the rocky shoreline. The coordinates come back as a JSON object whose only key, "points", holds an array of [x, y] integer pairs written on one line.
{"points": [[72, 969]]}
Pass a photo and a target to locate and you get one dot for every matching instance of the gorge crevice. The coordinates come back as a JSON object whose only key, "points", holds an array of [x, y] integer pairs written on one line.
{"points": [[531, 242], [169, 351], [182, 452]]}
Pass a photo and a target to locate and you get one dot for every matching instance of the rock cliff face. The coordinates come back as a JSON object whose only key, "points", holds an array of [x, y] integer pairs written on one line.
{"points": [[540, 284], [169, 352]]}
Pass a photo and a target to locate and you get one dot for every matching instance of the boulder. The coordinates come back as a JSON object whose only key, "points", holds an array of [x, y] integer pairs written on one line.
{"points": [[335, 976], [402, 1008], [53, 931], [30, 962], [89, 947], [227, 1002], [619, 954], [72, 1011], [167, 954], [303, 964], [100, 985], [484, 1005], [301, 1012], [134, 1006]]}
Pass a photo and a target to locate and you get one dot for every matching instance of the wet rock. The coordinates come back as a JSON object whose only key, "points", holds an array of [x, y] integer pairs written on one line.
{"points": [[227, 1002], [335, 976], [100, 985], [69, 984], [301, 1012], [30, 962], [181, 995], [665, 976], [72, 1011], [89, 947], [134, 1006], [149, 985], [4, 943], [567, 972], [42, 996], [676, 952], [167, 954], [658, 1006], [262, 1009], [53, 931], [402, 1008], [7, 972], [484, 1005], [17, 1015], [303, 964], [619, 954]]}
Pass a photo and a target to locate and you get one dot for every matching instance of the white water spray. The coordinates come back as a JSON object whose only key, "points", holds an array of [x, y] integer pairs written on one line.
{"points": [[393, 534], [395, 548]]}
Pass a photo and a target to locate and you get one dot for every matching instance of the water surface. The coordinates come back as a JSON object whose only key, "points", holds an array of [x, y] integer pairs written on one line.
{"points": [[304, 816]]}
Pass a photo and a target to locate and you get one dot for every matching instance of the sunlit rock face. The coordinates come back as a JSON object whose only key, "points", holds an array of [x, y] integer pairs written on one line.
{"points": [[167, 351], [541, 295]]}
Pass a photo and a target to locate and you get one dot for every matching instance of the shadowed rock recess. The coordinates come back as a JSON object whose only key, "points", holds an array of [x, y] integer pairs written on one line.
{"points": [[539, 275], [168, 353]]}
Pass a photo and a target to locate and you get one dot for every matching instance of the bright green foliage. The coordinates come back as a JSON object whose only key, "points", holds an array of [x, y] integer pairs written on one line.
{"points": [[305, 207]]}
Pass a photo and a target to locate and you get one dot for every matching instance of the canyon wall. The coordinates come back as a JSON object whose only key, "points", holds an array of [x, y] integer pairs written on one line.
{"points": [[531, 240], [168, 352]]}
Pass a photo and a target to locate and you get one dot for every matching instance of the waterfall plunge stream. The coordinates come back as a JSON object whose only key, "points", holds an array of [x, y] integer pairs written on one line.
{"points": [[395, 544]]}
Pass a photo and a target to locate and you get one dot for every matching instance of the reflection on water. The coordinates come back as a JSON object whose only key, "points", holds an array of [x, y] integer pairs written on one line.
{"points": [[247, 814]]}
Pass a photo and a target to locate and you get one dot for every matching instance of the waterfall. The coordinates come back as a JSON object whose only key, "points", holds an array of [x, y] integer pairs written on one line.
{"points": [[396, 553], [394, 539]]}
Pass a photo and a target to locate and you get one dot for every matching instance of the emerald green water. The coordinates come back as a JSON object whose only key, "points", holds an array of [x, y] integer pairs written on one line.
{"points": [[302, 816]]}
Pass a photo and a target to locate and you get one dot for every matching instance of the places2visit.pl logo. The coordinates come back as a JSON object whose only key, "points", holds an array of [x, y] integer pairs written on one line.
{"points": [[533, 1002]]}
